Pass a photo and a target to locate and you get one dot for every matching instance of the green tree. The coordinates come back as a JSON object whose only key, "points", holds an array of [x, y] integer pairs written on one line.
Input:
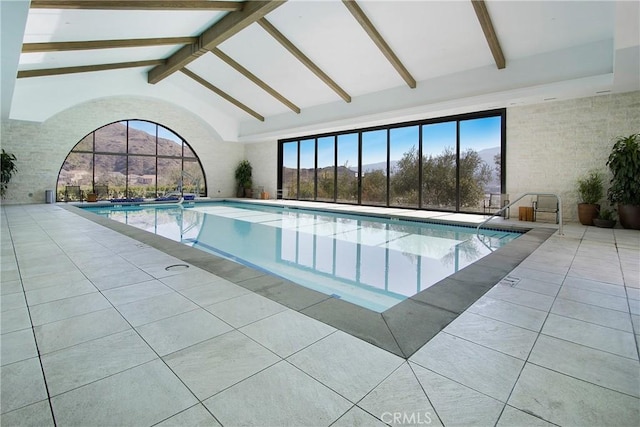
{"points": [[439, 178], [347, 184], [326, 184], [374, 187], [475, 174], [404, 180]]}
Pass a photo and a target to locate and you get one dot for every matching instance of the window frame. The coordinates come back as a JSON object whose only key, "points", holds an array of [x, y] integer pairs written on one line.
{"points": [[501, 113], [128, 154]]}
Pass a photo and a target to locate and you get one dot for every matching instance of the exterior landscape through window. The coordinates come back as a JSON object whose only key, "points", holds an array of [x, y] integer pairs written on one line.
{"points": [[131, 159], [449, 164]]}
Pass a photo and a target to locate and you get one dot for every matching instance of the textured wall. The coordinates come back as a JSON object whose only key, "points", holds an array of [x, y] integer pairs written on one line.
{"points": [[264, 160], [42, 147], [551, 145]]}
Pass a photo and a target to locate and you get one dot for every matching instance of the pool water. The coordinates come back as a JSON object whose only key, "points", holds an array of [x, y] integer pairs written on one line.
{"points": [[372, 262]]}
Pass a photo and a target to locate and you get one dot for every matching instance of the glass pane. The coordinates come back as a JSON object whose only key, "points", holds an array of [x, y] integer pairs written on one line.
{"points": [[188, 152], [404, 186], [479, 153], [111, 170], [439, 166], [348, 168], [169, 144], [307, 169], [142, 177], [374, 168], [112, 138], [290, 170], [326, 169], [86, 144], [169, 177], [193, 178], [142, 137], [77, 169]]}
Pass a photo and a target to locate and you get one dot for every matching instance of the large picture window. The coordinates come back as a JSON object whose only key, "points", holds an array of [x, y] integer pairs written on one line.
{"points": [[131, 159], [448, 164]]}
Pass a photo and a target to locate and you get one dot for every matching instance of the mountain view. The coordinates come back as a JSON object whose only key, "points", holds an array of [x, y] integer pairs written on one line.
{"points": [[112, 139]]}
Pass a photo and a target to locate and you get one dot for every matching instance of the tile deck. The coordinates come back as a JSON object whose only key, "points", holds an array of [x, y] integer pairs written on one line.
{"points": [[84, 345]]}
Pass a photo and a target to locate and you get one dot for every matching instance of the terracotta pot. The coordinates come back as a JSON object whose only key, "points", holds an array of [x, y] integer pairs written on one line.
{"points": [[629, 216], [587, 212]]}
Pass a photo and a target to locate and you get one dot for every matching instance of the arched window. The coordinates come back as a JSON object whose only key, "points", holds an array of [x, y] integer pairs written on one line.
{"points": [[131, 159]]}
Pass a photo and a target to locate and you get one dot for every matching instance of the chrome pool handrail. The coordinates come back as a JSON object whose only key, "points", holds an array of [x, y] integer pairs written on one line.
{"points": [[560, 231]]}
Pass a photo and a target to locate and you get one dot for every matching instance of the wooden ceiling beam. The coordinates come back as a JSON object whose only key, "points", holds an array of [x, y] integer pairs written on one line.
{"points": [[482, 13], [386, 50], [286, 43], [249, 75], [230, 24], [104, 44], [137, 5], [86, 68], [221, 93]]}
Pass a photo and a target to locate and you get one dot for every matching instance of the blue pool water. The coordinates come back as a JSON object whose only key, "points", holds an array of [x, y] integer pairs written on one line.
{"points": [[372, 262]]}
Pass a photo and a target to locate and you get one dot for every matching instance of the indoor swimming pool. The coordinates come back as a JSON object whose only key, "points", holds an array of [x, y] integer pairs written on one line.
{"points": [[369, 261]]}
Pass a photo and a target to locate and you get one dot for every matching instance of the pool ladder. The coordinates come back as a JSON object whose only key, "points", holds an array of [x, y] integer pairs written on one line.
{"points": [[499, 211]]}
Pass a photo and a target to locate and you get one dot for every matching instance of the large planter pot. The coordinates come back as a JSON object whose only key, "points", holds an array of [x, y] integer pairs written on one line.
{"points": [[587, 212], [629, 216], [604, 223]]}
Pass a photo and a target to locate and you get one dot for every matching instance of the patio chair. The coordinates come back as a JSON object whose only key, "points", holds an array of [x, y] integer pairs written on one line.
{"points": [[72, 192], [495, 202], [546, 204], [101, 191]]}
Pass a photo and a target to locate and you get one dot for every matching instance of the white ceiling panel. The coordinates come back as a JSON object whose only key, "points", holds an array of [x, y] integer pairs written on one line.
{"points": [[549, 45], [529, 28], [257, 51], [330, 36], [431, 41], [195, 89], [40, 60], [221, 75], [47, 25]]}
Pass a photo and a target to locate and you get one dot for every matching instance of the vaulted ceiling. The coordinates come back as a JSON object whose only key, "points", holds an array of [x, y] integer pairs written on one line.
{"points": [[260, 70]]}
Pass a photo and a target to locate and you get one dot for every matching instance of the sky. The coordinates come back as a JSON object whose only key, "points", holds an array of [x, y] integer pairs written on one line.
{"points": [[478, 134], [150, 128]]}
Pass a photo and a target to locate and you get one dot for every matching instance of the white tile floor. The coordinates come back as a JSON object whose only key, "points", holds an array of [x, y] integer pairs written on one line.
{"points": [[96, 332]]}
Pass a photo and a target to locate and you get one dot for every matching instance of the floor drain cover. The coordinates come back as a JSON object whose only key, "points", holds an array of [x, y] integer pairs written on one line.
{"points": [[510, 281], [177, 267]]}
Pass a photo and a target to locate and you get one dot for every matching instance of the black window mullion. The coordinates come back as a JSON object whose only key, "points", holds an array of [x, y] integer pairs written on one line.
{"points": [[315, 172], [419, 167], [156, 187], [335, 168], [359, 168], [457, 165], [298, 176], [126, 181], [388, 167]]}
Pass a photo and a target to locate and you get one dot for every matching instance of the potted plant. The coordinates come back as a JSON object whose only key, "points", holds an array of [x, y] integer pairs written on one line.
{"points": [[604, 219], [624, 164], [9, 169], [243, 176], [591, 190]]}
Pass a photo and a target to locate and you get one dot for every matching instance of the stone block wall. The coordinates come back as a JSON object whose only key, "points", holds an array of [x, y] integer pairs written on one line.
{"points": [[264, 161], [551, 145], [41, 148]]}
